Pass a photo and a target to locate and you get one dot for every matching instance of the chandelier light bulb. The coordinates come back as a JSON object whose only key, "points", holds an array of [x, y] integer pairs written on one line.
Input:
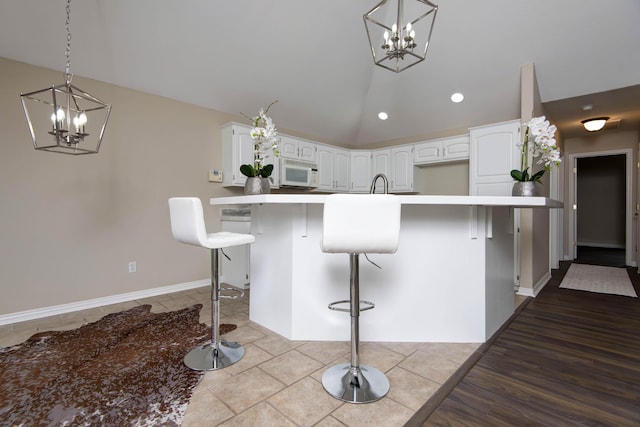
{"points": [[82, 118], [60, 114], [408, 28], [394, 28]]}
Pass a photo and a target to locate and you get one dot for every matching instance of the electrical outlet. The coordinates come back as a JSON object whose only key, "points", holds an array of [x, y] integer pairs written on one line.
{"points": [[215, 175], [132, 267]]}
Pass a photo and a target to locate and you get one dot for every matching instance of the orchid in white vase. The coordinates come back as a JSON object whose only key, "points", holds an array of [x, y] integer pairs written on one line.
{"points": [[539, 141], [265, 140]]}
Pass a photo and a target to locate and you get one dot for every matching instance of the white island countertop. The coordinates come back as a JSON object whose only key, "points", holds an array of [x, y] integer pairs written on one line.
{"points": [[517, 202]]}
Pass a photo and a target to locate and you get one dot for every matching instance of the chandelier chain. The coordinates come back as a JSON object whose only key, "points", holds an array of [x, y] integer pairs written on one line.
{"points": [[68, 48]]}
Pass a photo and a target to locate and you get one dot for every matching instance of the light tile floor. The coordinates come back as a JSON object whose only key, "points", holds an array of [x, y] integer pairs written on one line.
{"points": [[278, 382]]}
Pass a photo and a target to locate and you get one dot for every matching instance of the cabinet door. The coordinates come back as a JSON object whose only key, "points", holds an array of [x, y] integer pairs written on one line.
{"points": [[237, 149], [325, 168], [341, 162], [288, 147], [456, 148], [307, 151], [360, 171], [428, 152], [380, 163], [401, 169], [494, 153]]}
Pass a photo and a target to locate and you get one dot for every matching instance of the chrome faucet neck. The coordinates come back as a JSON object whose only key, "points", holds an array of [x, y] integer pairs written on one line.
{"points": [[384, 180]]}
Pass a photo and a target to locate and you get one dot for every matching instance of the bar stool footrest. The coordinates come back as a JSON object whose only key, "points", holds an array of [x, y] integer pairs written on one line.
{"points": [[364, 305]]}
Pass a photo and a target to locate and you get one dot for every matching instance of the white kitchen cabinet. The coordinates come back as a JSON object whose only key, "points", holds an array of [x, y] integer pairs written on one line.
{"points": [[397, 165], [455, 148], [494, 152], [360, 171], [381, 163], [401, 178], [428, 152], [293, 148], [442, 150], [237, 150], [333, 168]]}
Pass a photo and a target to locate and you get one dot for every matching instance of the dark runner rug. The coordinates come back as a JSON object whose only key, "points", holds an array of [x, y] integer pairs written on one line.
{"points": [[124, 369]]}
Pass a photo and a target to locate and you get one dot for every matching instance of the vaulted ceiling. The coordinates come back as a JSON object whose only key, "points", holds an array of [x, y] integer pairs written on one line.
{"points": [[313, 56]]}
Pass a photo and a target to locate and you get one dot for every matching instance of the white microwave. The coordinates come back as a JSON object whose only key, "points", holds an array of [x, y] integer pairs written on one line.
{"points": [[298, 173]]}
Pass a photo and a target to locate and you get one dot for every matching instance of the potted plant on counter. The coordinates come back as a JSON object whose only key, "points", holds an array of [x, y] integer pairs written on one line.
{"points": [[265, 140], [539, 141]]}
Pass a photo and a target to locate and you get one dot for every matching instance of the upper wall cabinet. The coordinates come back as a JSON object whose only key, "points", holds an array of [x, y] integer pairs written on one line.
{"points": [[333, 168], [237, 150], [401, 178], [442, 150], [494, 153], [293, 148], [360, 171]]}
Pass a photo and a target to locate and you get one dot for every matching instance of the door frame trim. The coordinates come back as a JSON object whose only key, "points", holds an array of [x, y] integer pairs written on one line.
{"points": [[573, 189]]}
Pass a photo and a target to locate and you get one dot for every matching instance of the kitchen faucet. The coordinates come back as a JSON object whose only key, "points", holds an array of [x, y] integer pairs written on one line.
{"points": [[384, 179]]}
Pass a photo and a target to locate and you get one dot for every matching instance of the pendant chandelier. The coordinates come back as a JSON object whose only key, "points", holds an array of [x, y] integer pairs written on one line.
{"points": [[63, 118], [399, 32]]}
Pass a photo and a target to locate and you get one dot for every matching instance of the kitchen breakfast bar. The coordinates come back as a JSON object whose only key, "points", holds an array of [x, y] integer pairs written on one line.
{"points": [[451, 280]]}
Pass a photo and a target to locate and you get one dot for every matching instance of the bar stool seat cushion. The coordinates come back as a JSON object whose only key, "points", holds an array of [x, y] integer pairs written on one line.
{"points": [[361, 223], [187, 226]]}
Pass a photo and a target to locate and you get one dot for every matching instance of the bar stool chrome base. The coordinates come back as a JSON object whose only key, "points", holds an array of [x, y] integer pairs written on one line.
{"points": [[207, 358], [359, 384]]}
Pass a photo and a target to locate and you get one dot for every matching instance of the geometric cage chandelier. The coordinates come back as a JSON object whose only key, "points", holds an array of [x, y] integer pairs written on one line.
{"points": [[63, 118], [399, 32]]}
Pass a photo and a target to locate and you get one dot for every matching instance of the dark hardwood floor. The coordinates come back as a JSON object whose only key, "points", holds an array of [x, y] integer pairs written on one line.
{"points": [[612, 257], [567, 358]]}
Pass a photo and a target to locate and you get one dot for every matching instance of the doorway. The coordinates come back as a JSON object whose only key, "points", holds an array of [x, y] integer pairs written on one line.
{"points": [[602, 208]]}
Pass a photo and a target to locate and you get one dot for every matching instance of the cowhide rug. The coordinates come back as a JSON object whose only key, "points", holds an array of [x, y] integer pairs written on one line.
{"points": [[125, 369]]}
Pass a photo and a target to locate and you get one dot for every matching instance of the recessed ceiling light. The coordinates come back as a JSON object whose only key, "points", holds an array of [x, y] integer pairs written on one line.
{"points": [[383, 116], [457, 97]]}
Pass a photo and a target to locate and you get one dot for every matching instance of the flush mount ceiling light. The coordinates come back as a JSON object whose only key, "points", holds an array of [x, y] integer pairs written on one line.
{"points": [[399, 32], [595, 123], [64, 118], [383, 116]]}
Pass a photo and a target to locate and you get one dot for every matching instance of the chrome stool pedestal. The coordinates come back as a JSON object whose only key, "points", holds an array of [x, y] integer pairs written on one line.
{"points": [[353, 382], [218, 353]]}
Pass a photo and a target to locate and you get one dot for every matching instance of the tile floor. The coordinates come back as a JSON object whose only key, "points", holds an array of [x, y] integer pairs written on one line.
{"points": [[278, 382]]}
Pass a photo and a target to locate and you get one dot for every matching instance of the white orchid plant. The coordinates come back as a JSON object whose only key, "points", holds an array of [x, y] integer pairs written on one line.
{"points": [[265, 140], [539, 141]]}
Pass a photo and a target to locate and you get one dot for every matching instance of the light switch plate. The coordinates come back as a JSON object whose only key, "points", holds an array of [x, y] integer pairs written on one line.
{"points": [[215, 175]]}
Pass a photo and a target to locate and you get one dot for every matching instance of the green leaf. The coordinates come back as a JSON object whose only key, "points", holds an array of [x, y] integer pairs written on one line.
{"points": [[266, 171], [537, 176], [517, 175], [248, 171]]}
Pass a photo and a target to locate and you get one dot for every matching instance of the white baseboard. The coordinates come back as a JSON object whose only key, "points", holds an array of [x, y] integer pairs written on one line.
{"points": [[38, 313], [532, 292]]}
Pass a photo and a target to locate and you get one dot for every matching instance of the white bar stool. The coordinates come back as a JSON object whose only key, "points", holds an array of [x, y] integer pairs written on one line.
{"points": [[355, 224], [187, 226]]}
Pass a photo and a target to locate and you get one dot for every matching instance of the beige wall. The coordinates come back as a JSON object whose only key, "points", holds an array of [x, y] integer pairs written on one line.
{"points": [[534, 223], [450, 179], [70, 225]]}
